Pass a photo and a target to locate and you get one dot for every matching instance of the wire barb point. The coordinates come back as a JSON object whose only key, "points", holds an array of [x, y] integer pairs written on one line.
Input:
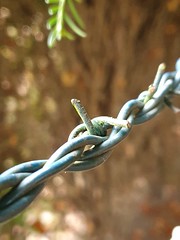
{"points": [[83, 115]]}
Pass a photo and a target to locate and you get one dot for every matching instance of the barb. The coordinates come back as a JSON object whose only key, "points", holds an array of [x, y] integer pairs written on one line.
{"points": [[89, 144]]}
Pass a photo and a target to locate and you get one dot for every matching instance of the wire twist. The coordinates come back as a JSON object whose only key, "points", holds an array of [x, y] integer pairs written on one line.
{"points": [[88, 145]]}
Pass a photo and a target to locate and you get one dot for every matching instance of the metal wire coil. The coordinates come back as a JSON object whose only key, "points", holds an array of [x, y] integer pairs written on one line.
{"points": [[84, 149]]}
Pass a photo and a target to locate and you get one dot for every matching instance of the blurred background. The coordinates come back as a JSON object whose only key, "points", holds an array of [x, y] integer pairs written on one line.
{"points": [[135, 195]]}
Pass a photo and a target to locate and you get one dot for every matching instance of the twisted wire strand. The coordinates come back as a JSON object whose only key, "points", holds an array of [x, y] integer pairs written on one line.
{"points": [[21, 184]]}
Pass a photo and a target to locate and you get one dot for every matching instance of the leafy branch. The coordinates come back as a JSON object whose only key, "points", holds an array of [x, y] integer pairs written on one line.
{"points": [[64, 21]]}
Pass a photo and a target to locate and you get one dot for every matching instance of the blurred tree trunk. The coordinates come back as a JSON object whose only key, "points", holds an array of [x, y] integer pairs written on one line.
{"points": [[126, 42]]}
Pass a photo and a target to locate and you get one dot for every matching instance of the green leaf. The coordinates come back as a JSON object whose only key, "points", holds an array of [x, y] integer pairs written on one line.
{"points": [[51, 1], [53, 9], [79, 1], [60, 15], [51, 22], [60, 20], [73, 26], [75, 13], [52, 38], [68, 35]]}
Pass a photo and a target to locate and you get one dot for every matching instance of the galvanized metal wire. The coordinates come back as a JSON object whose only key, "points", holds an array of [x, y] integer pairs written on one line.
{"points": [[89, 144]]}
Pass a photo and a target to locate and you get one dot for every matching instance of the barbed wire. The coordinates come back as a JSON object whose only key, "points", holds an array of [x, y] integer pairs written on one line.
{"points": [[89, 144]]}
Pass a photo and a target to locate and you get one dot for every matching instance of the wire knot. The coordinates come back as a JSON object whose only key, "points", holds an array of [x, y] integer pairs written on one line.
{"points": [[89, 144]]}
